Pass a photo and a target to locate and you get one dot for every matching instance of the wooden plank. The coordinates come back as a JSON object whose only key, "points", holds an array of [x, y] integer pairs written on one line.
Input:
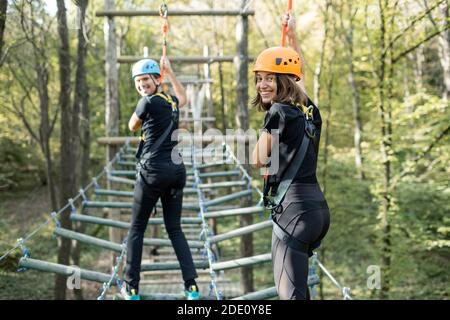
{"points": [[242, 262], [233, 212], [173, 13], [241, 231], [184, 59], [126, 225], [64, 270]]}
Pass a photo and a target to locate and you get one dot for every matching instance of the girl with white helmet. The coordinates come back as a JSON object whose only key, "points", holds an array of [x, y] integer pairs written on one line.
{"points": [[160, 172]]}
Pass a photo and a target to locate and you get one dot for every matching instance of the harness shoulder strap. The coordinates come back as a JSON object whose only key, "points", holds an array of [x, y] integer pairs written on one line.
{"points": [[166, 132], [295, 163], [291, 171], [168, 98]]}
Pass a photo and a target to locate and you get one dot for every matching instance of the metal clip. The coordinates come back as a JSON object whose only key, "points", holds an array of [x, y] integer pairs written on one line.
{"points": [[309, 113], [54, 216]]}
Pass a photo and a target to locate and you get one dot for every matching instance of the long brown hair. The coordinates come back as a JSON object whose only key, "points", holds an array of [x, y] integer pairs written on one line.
{"points": [[288, 92]]}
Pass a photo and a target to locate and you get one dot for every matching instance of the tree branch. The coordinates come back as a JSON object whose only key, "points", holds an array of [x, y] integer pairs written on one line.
{"points": [[420, 156], [19, 111], [413, 23], [52, 125], [414, 47]]}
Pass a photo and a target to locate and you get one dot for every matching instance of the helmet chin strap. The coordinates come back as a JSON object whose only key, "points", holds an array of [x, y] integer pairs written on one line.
{"points": [[156, 85]]}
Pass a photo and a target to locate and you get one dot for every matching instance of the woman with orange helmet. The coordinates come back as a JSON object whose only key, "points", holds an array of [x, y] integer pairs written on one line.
{"points": [[288, 146]]}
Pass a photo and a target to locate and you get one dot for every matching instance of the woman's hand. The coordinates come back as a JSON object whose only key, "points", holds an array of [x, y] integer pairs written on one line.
{"points": [[262, 150], [291, 39], [178, 88], [165, 65], [289, 21]]}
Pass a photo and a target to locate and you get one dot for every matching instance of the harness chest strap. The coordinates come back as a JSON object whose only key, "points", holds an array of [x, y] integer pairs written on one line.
{"points": [[166, 97], [275, 204], [289, 175], [165, 134]]}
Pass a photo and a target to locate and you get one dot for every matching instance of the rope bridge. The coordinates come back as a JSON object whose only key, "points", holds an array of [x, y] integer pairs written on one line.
{"points": [[161, 275]]}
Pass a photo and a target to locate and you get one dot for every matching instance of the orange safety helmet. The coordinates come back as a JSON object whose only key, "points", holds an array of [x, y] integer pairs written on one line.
{"points": [[279, 60]]}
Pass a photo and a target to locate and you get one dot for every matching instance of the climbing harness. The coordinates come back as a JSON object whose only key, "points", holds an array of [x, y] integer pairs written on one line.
{"points": [[274, 191], [142, 159]]}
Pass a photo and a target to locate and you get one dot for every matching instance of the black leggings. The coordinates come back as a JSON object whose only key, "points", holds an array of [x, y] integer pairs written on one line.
{"points": [[165, 181], [306, 217]]}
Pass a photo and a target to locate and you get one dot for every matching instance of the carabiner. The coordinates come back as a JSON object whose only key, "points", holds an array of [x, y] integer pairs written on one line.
{"points": [[309, 113], [163, 10]]}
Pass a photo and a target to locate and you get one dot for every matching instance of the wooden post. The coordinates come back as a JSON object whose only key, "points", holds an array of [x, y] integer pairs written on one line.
{"points": [[112, 81], [210, 113], [241, 63], [111, 101], [208, 95]]}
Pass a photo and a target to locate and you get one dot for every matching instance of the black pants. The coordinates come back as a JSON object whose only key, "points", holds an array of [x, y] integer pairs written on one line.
{"points": [[165, 181], [306, 217]]}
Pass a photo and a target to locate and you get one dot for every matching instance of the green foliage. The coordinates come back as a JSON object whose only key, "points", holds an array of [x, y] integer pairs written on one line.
{"points": [[21, 165], [412, 89]]}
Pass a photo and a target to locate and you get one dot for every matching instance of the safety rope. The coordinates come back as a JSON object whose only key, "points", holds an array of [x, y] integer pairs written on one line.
{"points": [[163, 11], [70, 204], [115, 272], [205, 228], [344, 290]]}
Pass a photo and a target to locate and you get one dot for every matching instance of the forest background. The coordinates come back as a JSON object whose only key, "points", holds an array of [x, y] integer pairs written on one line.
{"points": [[378, 70]]}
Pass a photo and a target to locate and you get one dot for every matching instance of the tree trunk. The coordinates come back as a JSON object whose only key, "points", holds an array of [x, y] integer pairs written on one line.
{"points": [[45, 129], [112, 106], [3, 7], [356, 105], [418, 68], [317, 100], [208, 95], [40, 63], [222, 99], [386, 144], [444, 50], [241, 63], [81, 107], [218, 39], [68, 152], [318, 70], [357, 136]]}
